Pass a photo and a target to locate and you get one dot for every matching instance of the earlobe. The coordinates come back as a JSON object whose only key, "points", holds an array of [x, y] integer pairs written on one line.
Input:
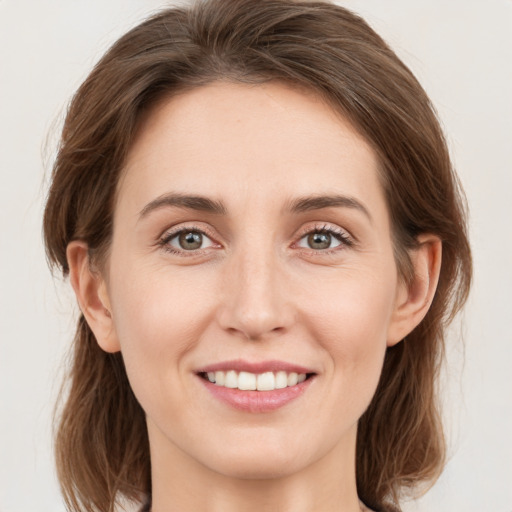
{"points": [[414, 298], [92, 296]]}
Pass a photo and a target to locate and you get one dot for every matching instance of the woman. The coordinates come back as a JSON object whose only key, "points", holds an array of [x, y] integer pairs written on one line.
{"points": [[256, 207]]}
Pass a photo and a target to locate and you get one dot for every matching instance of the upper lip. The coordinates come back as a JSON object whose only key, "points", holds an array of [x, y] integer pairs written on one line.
{"points": [[240, 365]]}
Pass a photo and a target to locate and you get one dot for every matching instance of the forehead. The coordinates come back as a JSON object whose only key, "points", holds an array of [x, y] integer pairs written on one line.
{"points": [[261, 143]]}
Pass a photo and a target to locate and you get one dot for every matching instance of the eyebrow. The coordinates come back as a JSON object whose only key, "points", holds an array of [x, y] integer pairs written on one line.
{"points": [[299, 205], [309, 203], [189, 202]]}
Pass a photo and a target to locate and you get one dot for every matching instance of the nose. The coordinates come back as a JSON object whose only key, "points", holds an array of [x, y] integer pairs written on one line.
{"points": [[255, 303]]}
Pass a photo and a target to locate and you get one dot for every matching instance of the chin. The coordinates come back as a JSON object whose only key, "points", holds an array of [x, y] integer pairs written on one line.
{"points": [[257, 461], [256, 469]]}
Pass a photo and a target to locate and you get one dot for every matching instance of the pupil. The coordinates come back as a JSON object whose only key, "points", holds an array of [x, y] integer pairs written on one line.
{"points": [[319, 240], [190, 240]]}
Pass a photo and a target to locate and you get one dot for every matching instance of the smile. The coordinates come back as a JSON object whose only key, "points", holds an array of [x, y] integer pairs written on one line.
{"points": [[256, 387], [247, 381]]}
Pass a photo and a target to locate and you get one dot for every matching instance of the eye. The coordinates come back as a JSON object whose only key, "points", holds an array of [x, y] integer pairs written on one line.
{"points": [[324, 239], [186, 240]]}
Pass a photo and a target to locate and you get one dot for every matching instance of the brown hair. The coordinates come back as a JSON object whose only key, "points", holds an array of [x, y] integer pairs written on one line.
{"points": [[102, 457]]}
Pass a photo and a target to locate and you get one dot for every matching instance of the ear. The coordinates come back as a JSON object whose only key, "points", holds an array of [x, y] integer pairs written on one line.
{"points": [[91, 292], [413, 299]]}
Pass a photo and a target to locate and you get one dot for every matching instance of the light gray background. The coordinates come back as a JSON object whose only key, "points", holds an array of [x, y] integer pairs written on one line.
{"points": [[461, 50]]}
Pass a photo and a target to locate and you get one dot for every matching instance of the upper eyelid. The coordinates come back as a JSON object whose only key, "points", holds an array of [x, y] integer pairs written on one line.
{"points": [[171, 232], [163, 242], [324, 226], [318, 226]]}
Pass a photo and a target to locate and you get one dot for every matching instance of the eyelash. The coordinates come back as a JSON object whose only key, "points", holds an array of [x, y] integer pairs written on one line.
{"points": [[337, 233], [165, 240]]}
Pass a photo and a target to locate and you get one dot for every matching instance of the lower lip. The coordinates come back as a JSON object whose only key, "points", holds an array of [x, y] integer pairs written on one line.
{"points": [[256, 401]]}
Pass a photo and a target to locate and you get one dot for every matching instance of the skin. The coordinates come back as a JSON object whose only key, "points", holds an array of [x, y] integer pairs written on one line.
{"points": [[255, 290]]}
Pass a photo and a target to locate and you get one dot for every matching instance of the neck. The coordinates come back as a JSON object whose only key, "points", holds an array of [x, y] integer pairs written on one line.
{"points": [[180, 483]]}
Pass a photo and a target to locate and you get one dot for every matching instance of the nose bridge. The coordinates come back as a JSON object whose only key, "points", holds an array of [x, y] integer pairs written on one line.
{"points": [[254, 299]]}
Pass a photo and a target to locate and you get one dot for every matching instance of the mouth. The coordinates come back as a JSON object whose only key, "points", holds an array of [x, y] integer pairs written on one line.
{"points": [[256, 387], [248, 381]]}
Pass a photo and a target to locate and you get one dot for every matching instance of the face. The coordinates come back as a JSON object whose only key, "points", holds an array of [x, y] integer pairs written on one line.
{"points": [[251, 249]]}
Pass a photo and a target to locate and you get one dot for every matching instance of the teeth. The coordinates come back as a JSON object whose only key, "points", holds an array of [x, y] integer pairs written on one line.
{"points": [[220, 378], [266, 382], [231, 379], [247, 381], [282, 380], [292, 379]]}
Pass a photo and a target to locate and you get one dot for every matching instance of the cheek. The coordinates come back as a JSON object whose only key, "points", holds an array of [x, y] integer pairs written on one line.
{"points": [[352, 309], [158, 319], [153, 304], [350, 320]]}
